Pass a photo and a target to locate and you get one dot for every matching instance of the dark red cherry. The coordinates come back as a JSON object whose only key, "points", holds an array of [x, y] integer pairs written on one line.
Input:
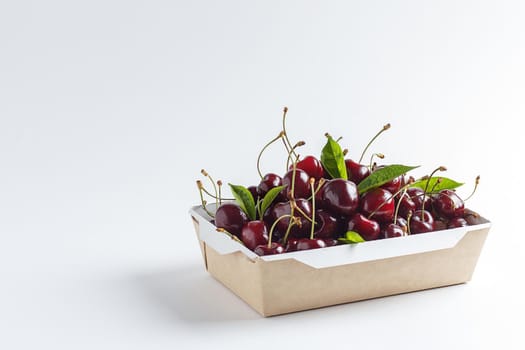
{"points": [[330, 242], [406, 206], [253, 191], [379, 202], [356, 172], [268, 182], [440, 225], [401, 222], [368, 229], [422, 221], [420, 199], [254, 233], [291, 244], [457, 222], [393, 230], [301, 187], [326, 224], [340, 197], [283, 208], [312, 166], [263, 249], [448, 204], [230, 217], [307, 243]]}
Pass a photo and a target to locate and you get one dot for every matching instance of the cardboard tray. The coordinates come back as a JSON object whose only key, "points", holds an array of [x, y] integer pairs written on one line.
{"points": [[296, 281]]}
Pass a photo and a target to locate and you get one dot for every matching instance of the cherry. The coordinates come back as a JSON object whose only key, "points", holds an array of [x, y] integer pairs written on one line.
{"points": [[284, 208], [253, 191], [356, 172], [307, 244], [231, 218], [395, 184], [340, 196], [421, 200], [264, 249], [406, 206], [326, 224], [312, 166], [368, 229], [330, 242], [457, 222], [301, 185], [440, 225], [268, 182], [421, 222], [291, 244], [448, 204], [254, 233], [393, 230], [378, 204]]}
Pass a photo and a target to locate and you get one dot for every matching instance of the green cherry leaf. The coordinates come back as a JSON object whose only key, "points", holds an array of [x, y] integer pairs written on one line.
{"points": [[269, 198], [333, 159], [351, 237], [382, 176], [245, 200], [436, 184]]}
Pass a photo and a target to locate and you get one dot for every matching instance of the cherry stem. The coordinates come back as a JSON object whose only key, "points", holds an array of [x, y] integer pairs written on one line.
{"points": [[292, 207], [441, 168], [399, 203], [409, 217], [219, 185], [312, 187], [378, 155], [287, 143], [385, 128], [211, 194], [203, 201], [474, 190], [297, 145], [438, 181], [280, 136], [232, 236], [272, 228], [205, 173], [318, 188]]}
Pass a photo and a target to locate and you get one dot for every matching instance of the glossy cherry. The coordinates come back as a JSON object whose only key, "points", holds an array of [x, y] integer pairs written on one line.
{"points": [[448, 204], [307, 244], [254, 233], [284, 208], [312, 166], [230, 217], [340, 197], [393, 230], [326, 224], [368, 229], [291, 244], [378, 204], [421, 200], [356, 172], [457, 222], [268, 182], [407, 206], [274, 248], [422, 221], [301, 185]]}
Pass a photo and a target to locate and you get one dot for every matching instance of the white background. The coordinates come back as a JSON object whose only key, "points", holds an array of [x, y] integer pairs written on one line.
{"points": [[109, 109]]}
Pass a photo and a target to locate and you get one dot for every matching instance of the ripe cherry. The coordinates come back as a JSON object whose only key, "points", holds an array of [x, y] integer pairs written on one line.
{"points": [[307, 243], [312, 166], [407, 206], [340, 197], [268, 182], [448, 204], [422, 221], [254, 233], [378, 204], [356, 172], [457, 222], [393, 230], [301, 185], [274, 248], [368, 229], [326, 224], [421, 200], [284, 208], [231, 217]]}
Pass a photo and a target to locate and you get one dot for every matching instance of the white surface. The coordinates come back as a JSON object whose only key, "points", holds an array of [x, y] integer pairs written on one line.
{"points": [[109, 109]]}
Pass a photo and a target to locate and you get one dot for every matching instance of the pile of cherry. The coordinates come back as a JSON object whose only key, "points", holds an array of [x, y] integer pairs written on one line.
{"points": [[331, 200]]}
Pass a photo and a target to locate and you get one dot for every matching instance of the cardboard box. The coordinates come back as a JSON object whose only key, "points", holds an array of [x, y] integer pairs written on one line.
{"points": [[296, 281]]}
